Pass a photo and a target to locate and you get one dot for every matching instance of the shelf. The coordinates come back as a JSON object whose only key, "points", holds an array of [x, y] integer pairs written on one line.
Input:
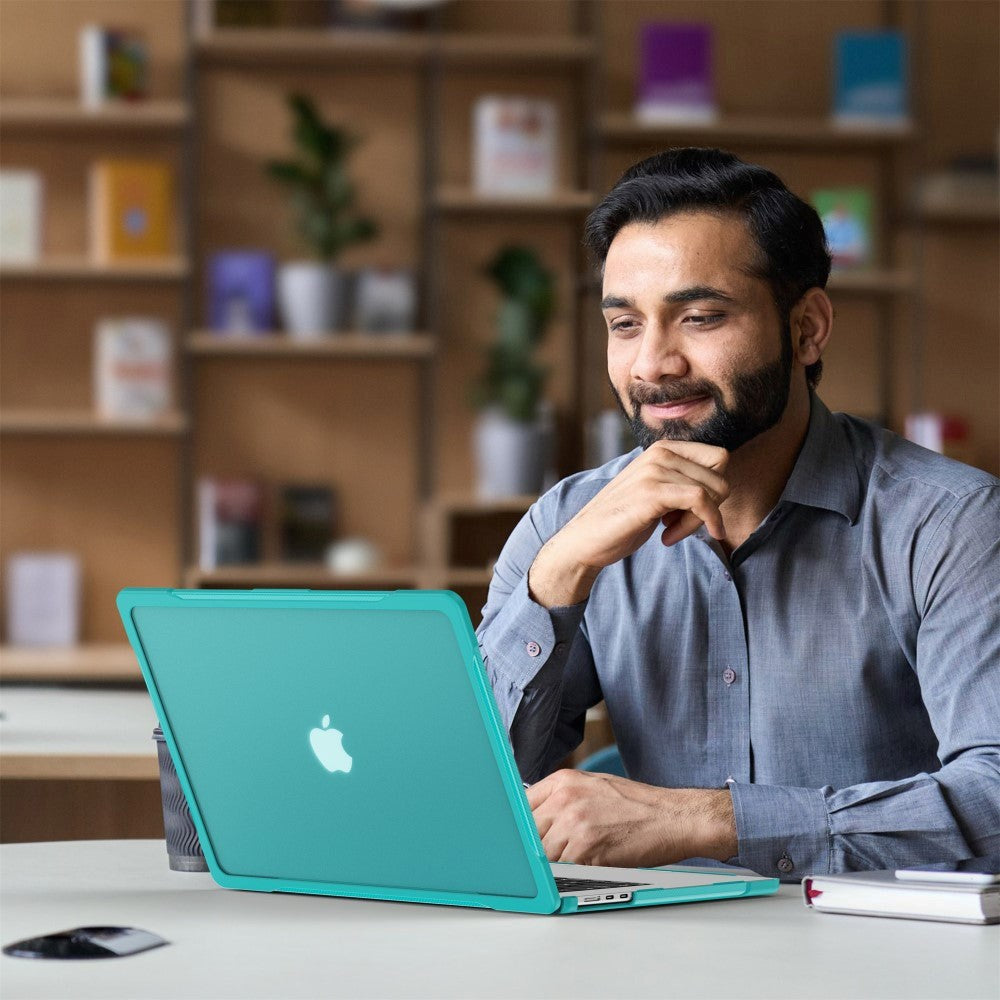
{"points": [[254, 47], [754, 131], [463, 503], [306, 575], [485, 51], [69, 114], [466, 200], [343, 47], [74, 268], [89, 662], [401, 346], [80, 422], [873, 281], [960, 212]]}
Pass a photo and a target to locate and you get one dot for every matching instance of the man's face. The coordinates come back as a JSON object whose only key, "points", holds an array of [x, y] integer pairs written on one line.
{"points": [[696, 348]]}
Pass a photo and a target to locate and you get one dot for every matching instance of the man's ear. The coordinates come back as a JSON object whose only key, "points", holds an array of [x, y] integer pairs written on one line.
{"points": [[812, 324]]}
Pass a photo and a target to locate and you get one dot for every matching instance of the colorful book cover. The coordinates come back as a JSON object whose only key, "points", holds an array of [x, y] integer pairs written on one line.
{"points": [[240, 291], [307, 522], [131, 210], [20, 216], [113, 66], [230, 517], [871, 78], [515, 146], [132, 368], [846, 214], [675, 73]]}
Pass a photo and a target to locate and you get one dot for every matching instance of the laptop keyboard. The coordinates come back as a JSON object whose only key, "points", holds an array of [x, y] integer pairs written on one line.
{"points": [[582, 884]]}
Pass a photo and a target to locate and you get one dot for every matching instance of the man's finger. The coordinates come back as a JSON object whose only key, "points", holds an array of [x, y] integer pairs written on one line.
{"points": [[707, 455], [539, 792]]}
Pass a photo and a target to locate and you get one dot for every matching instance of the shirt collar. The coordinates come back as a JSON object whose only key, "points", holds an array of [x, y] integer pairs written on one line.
{"points": [[825, 473]]}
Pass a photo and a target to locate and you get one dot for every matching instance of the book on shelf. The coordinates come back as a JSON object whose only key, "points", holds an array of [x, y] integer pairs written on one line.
{"points": [[914, 894], [240, 292], [131, 210], [871, 78], [230, 519], [846, 214], [675, 82], [43, 599], [308, 522], [132, 368], [515, 143], [20, 216], [385, 300], [113, 65]]}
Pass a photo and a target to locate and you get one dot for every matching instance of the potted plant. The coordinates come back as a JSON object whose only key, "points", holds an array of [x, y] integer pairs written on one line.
{"points": [[511, 437], [311, 293]]}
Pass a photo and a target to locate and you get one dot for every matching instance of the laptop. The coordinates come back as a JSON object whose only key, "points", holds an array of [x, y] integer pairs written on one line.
{"points": [[347, 743]]}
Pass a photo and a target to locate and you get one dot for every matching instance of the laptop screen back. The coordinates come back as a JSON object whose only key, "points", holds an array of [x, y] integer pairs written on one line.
{"points": [[335, 745]]}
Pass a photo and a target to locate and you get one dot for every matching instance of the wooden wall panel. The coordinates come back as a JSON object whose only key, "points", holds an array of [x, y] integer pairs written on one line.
{"points": [[39, 43], [112, 500], [47, 346], [350, 425]]}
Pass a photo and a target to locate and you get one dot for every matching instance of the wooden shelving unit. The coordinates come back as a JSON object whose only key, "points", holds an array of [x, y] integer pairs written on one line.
{"points": [[70, 115], [401, 346], [455, 200], [280, 47], [87, 663], [86, 423], [303, 575], [80, 268], [756, 131]]}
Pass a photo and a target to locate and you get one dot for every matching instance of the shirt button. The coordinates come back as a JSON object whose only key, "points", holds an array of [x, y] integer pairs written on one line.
{"points": [[785, 864], [727, 576], [532, 648], [729, 675]]}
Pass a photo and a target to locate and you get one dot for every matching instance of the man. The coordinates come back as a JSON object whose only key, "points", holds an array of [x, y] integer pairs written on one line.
{"points": [[792, 616]]}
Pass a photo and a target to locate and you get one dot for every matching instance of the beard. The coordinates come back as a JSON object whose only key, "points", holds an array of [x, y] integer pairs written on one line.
{"points": [[759, 400]]}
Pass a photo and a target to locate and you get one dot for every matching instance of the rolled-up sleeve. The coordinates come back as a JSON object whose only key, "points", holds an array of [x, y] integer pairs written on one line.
{"points": [[952, 813]]}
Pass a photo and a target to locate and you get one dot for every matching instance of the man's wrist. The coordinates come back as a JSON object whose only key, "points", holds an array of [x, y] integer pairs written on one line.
{"points": [[711, 824], [555, 581]]}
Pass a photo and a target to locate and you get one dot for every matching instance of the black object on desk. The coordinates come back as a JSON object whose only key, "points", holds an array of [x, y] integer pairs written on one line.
{"points": [[87, 942]]}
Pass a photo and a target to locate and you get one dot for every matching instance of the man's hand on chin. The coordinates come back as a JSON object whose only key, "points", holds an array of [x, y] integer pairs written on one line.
{"points": [[599, 819]]}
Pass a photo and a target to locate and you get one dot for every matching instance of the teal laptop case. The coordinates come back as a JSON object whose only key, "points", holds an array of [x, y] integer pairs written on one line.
{"points": [[347, 743]]}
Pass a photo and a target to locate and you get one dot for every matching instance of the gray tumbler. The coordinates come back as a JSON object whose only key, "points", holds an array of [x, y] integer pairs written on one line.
{"points": [[183, 849]]}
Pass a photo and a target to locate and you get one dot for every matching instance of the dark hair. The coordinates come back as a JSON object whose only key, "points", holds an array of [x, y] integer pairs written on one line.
{"points": [[786, 229]]}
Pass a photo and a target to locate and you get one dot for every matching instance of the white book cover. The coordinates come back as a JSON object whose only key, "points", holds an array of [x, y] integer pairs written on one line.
{"points": [[132, 368], [20, 216], [43, 599], [93, 65], [515, 146]]}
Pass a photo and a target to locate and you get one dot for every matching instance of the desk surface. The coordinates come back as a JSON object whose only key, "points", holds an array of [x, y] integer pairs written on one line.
{"points": [[243, 944], [62, 732]]}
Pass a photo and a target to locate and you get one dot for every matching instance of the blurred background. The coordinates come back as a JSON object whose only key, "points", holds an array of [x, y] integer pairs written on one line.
{"points": [[292, 294]]}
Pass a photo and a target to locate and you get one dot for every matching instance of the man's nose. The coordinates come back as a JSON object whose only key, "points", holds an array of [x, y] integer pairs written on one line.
{"points": [[659, 355]]}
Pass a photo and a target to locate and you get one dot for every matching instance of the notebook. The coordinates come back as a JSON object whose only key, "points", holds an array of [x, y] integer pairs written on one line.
{"points": [[347, 743]]}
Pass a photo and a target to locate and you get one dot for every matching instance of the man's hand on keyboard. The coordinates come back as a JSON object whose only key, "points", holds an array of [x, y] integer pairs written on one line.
{"points": [[599, 819]]}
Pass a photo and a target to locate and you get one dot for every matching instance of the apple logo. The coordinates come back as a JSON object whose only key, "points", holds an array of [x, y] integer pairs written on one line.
{"points": [[328, 746]]}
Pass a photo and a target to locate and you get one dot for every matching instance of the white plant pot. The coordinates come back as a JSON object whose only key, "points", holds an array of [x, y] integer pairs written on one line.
{"points": [[310, 298], [510, 455]]}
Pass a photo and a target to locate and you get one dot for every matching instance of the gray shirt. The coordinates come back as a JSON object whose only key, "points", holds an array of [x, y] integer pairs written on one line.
{"points": [[840, 672]]}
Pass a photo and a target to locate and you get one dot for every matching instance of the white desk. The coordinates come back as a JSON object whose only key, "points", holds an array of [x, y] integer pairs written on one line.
{"points": [[244, 944]]}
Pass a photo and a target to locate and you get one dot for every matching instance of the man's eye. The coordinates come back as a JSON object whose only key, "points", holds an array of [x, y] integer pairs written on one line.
{"points": [[623, 326], [705, 320]]}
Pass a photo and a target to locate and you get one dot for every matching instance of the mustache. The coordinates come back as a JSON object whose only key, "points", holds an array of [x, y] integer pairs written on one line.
{"points": [[643, 394]]}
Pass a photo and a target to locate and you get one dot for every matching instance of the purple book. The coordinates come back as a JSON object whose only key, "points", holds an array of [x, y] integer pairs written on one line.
{"points": [[241, 292], [675, 82]]}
